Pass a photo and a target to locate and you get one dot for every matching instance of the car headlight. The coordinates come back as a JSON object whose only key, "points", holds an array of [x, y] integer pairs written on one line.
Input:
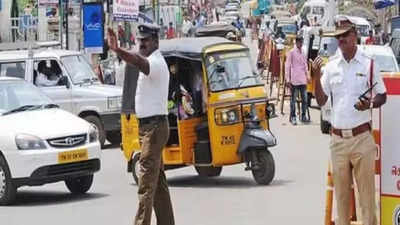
{"points": [[29, 142], [114, 102], [93, 134], [227, 116]]}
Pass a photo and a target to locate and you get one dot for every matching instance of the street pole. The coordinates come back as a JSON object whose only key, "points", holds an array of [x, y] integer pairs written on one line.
{"points": [[66, 24], [60, 22]]}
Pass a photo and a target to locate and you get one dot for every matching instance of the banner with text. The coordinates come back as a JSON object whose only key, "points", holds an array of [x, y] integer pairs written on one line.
{"points": [[126, 10], [93, 30]]}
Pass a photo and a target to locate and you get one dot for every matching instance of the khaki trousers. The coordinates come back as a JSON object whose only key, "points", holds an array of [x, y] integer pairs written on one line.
{"points": [[357, 154], [153, 188]]}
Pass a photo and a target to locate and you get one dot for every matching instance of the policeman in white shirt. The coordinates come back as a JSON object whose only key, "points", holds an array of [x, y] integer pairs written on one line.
{"points": [[43, 78], [151, 107], [346, 76]]}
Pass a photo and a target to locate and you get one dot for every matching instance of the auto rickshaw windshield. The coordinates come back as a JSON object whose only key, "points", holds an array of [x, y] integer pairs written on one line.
{"points": [[230, 70]]}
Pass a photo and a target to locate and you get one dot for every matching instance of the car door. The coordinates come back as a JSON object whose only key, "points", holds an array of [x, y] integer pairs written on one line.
{"points": [[61, 94]]}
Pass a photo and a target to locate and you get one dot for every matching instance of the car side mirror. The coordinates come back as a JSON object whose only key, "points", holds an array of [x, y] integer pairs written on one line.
{"points": [[63, 81]]}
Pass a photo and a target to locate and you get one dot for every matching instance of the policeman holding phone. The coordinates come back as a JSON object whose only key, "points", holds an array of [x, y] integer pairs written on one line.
{"points": [[345, 78]]}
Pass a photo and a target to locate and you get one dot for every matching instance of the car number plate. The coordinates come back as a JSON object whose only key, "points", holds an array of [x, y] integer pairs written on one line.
{"points": [[73, 156]]}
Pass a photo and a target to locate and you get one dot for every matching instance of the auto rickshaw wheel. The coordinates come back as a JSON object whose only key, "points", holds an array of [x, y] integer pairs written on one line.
{"points": [[208, 171], [266, 171], [135, 167]]}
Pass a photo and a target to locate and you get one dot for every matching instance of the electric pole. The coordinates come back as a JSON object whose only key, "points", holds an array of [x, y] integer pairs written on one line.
{"points": [[66, 12]]}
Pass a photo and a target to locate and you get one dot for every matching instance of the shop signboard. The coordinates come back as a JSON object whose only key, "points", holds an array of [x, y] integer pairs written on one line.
{"points": [[125, 10], [93, 30]]}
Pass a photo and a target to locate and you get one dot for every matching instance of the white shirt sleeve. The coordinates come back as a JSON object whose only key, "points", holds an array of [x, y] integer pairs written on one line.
{"points": [[42, 81], [377, 78], [154, 66]]}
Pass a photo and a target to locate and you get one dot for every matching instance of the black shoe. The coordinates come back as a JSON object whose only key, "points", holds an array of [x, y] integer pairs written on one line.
{"points": [[304, 119], [293, 121]]}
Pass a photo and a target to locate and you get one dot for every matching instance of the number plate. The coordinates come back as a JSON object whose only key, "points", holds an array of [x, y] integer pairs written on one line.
{"points": [[73, 156]]}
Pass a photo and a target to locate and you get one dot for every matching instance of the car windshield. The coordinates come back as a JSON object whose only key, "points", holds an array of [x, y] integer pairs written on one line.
{"points": [[289, 29], [17, 94], [79, 69], [231, 70]]}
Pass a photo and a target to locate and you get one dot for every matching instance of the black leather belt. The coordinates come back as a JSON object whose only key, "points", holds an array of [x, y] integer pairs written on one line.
{"points": [[154, 119]]}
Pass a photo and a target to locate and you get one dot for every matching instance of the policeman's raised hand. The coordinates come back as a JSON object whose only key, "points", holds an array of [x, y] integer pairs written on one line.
{"points": [[316, 65], [362, 105], [112, 40]]}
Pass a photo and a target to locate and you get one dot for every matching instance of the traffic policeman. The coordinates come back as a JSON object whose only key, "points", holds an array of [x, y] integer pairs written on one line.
{"points": [[346, 76], [151, 109]]}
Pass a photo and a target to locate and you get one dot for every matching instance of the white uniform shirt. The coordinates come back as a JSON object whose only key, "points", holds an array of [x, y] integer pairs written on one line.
{"points": [[344, 82], [152, 90]]}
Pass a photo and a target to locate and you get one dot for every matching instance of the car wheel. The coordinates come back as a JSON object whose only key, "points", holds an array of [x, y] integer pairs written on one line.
{"points": [[7, 189], [208, 171], [79, 185], [135, 167], [114, 137], [96, 122], [266, 172], [325, 126]]}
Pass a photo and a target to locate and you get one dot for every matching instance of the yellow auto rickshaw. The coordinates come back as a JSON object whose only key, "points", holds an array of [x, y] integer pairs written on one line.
{"points": [[218, 111]]}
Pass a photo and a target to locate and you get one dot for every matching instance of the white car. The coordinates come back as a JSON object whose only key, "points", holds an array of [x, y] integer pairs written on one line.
{"points": [[78, 90], [40, 143]]}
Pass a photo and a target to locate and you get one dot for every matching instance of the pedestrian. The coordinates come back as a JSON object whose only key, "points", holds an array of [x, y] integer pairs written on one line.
{"points": [[348, 74], [121, 36], [370, 39], [151, 110], [297, 77], [28, 9], [162, 29], [186, 26], [171, 31]]}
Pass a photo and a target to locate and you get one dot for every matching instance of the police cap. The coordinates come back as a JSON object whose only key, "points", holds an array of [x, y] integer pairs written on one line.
{"points": [[146, 30]]}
